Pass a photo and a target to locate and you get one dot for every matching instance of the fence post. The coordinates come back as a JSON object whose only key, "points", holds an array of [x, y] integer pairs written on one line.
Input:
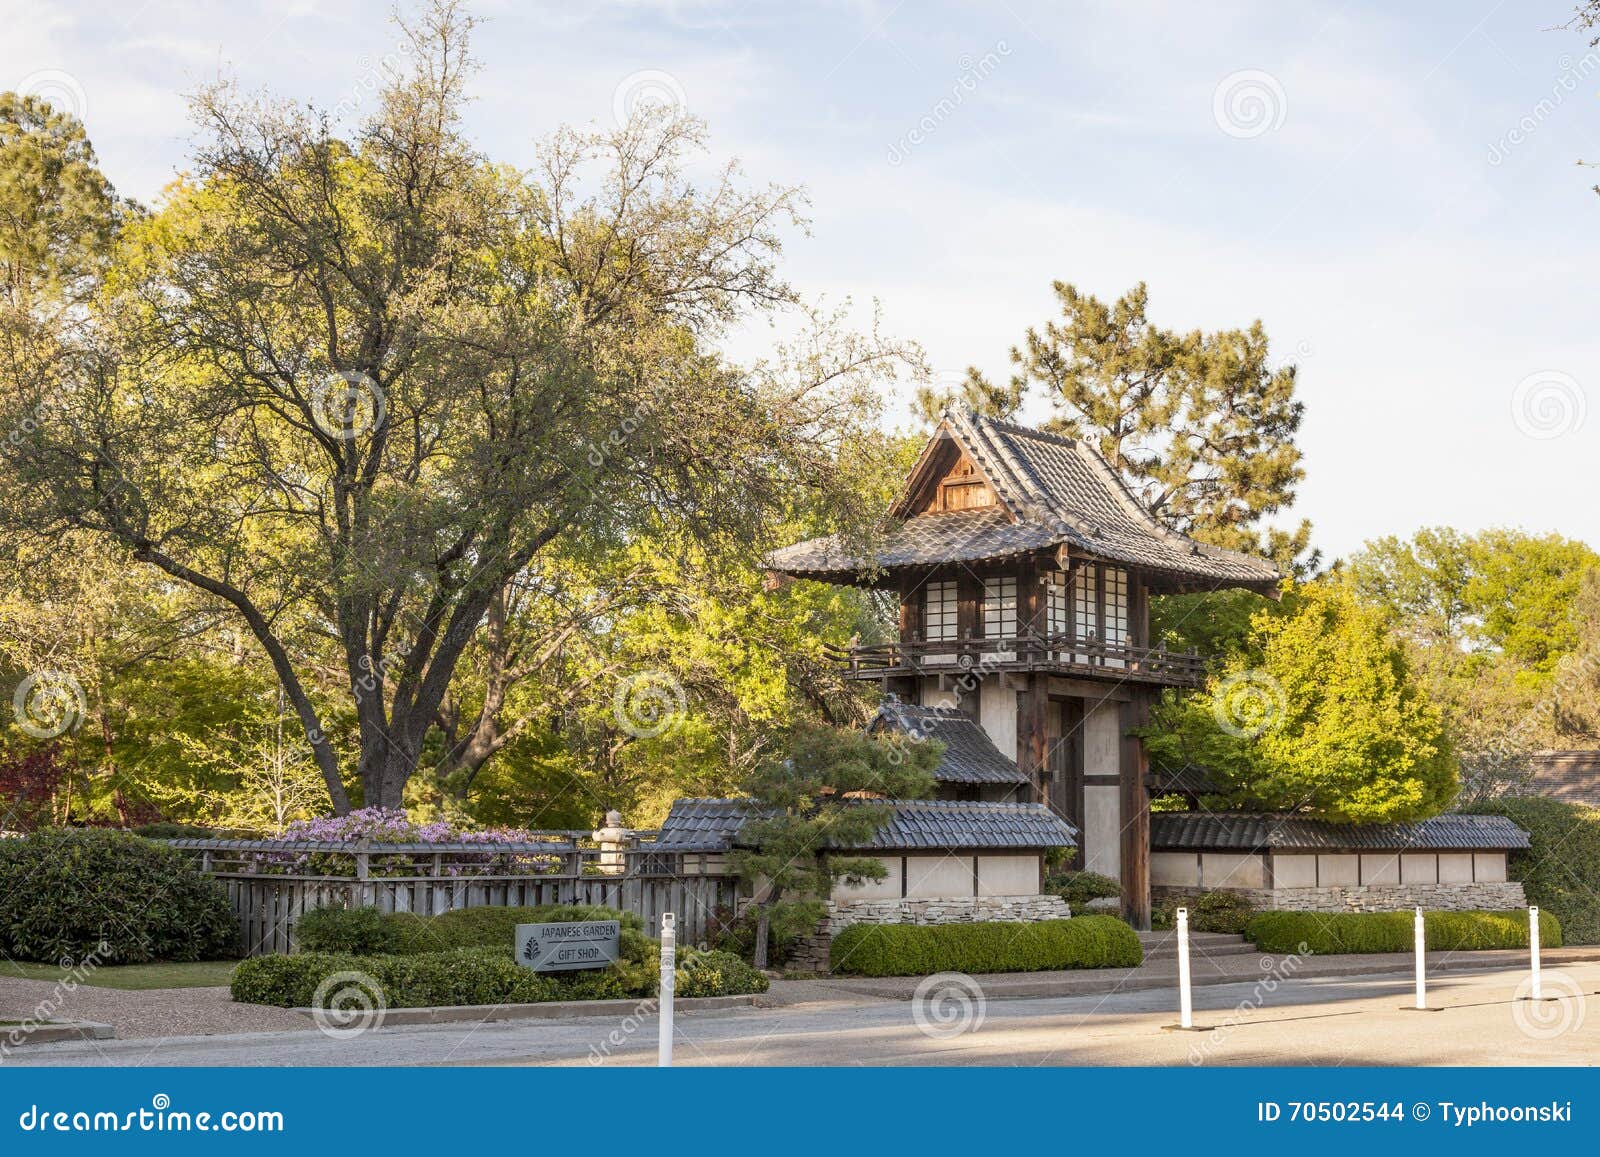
{"points": [[669, 983], [1422, 962], [1185, 1000], [1533, 942]]}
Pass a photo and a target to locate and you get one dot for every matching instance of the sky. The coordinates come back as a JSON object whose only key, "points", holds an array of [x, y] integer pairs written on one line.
{"points": [[1393, 190]]}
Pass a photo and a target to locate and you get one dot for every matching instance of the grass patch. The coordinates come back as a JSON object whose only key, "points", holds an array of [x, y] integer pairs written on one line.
{"points": [[194, 974]]}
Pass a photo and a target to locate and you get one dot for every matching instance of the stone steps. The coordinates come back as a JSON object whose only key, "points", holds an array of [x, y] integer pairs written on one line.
{"points": [[1202, 945]]}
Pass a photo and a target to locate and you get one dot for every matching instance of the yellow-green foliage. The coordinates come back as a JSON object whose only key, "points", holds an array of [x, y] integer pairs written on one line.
{"points": [[1320, 712]]}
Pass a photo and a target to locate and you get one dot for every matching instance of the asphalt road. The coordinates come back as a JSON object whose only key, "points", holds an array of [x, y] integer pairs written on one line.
{"points": [[1345, 1021]]}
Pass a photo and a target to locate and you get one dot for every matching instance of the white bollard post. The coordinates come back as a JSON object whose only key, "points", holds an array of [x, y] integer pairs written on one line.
{"points": [[1533, 941], [1185, 1003], [1422, 963], [669, 982]]}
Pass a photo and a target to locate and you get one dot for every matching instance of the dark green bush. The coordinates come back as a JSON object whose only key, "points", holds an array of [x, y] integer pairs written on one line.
{"points": [[1078, 888], [466, 976], [66, 891], [483, 976], [1333, 933], [998, 946], [360, 931], [1220, 912], [495, 927], [717, 974], [1560, 867]]}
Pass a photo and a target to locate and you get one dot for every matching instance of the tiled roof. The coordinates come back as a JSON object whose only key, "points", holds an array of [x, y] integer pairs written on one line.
{"points": [[713, 825], [970, 756], [1053, 490], [1569, 776], [1248, 832]]}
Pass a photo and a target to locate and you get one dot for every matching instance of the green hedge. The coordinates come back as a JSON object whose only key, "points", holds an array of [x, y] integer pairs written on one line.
{"points": [[355, 931], [1560, 867], [66, 891], [1333, 933], [999, 946], [477, 976]]}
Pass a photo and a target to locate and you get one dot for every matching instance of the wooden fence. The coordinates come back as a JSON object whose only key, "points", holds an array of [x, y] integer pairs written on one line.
{"points": [[271, 883]]}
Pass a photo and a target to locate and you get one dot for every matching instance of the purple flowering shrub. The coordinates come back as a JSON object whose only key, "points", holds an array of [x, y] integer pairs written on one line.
{"points": [[385, 826]]}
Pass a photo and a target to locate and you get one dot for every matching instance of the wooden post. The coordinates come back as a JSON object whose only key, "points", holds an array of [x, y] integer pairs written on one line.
{"points": [[1135, 859], [1033, 741]]}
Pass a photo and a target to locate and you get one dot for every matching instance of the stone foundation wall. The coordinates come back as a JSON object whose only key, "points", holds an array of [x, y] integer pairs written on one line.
{"points": [[1369, 897], [811, 954]]}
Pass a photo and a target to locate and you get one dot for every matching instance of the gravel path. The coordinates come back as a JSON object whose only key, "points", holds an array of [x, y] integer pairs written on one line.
{"points": [[151, 1012]]}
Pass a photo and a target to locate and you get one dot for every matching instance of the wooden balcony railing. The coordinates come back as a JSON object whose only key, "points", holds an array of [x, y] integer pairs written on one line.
{"points": [[1053, 654]]}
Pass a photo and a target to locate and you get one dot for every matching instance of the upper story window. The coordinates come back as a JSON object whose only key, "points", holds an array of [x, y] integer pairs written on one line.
{"points": [[1000, 607], [1057, 608], [1114, 604], [1098, 605], [939, 611]]}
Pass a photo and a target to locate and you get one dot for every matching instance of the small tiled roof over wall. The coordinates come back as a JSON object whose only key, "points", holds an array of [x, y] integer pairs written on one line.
{"points": [[714, 825], [1253, 832], [970, 756]]}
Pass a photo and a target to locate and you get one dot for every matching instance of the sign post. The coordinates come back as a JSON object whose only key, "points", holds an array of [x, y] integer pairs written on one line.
{"points": [[1422, 963], [1185, 1001], [1533, 942], [669, 979]]}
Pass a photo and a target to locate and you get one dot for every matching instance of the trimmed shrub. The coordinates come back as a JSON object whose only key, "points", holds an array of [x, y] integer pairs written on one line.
{"points": [[994, 946], [1558, 870], [469, 976], [495, 927], [1078, 888], [480, 976], [66, 891], [1220, 912], [717, 974], [1333, 933], [360, 931]]}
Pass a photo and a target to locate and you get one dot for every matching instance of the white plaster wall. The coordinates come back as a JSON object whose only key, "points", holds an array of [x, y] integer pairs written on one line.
{"points": [[1179, 869], [1008, 875], [887, 888], [1490, 867], [1102, 740], [1343, 869], [1294, 871], [997, 714], [1102, 830], [1419, 868], [939, 876], [1382, 868], [1232, 870], [1455, 867], [933, 697]]}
